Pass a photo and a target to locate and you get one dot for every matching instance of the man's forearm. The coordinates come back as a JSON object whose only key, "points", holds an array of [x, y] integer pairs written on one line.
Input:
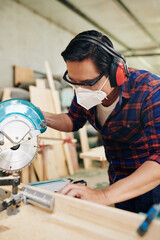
{"points": [[144, 179], [141, 181], [61, 122]]}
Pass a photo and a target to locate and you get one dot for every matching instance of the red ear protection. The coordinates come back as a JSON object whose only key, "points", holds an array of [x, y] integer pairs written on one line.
{"points": [[120, 74], [117, 74]]}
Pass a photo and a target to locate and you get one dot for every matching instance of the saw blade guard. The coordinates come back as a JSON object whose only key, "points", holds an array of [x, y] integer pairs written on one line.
{"points": [[25, 109], [20, 125]]}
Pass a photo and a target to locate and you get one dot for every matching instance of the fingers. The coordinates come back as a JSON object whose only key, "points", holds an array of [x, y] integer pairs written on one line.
{"points": [[84, 192], [65, 189], [73, 190], [74, 193]]}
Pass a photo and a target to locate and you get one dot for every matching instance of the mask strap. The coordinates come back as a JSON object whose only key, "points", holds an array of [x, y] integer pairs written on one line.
{"points": [[103, 84]]}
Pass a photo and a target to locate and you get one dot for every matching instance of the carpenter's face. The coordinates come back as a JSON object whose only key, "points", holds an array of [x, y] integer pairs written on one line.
{"points": [[86, 71]]}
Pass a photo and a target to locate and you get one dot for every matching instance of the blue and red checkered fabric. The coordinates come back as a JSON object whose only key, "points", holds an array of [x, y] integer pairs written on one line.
{"points": [[131, 134]]}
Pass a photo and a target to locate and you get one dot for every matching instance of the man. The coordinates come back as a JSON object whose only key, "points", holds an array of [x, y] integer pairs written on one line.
{"points": [[123, 105]]}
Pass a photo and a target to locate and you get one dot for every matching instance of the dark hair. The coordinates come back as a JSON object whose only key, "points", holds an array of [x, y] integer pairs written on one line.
{"points": [[81, 49]]}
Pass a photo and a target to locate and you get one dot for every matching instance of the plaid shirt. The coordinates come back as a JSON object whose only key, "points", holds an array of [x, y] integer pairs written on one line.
{"points": [[131, 134]]}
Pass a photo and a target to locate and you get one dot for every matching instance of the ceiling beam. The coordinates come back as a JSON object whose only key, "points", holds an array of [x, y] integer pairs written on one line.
{"points": [[97, 25], [142, 55], [135, 19]]}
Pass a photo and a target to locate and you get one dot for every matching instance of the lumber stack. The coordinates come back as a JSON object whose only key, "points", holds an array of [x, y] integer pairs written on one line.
{"points": [[69, 149], [56, 167], [57, 155]]}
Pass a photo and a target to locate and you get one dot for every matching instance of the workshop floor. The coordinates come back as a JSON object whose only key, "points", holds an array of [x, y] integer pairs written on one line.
{"points": [[96, 177]]}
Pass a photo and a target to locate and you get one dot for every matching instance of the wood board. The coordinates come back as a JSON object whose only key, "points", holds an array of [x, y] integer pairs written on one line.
{"points": [[6, 94], [70, 149], [96, 153], [74, 219], [22, 75], [85, 146], [42, 98]]}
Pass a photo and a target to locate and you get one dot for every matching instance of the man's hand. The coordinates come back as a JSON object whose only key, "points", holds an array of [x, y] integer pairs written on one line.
{"points": [[60, 122], [84, 192]]}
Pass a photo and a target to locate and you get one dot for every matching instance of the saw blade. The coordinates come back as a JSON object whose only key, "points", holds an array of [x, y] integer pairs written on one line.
{"points": [[19, 156]]}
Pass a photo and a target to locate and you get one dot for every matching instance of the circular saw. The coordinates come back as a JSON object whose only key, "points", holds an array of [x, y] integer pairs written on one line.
{"points": [[20, 125]]}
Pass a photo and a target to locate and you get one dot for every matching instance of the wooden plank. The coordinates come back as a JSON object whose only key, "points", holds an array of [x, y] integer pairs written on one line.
{"points": [[48, 154], [6, 94], [70, 149], [42, 98], [96, 153], [74, 219], [109, 222], [25, 175], [51, 156], [22, 75], [45, 164], [33, 177], [38, 166], [85, 146]]}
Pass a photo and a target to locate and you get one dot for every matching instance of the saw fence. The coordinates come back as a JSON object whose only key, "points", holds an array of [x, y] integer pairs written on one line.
{"points": [[57, 155]]}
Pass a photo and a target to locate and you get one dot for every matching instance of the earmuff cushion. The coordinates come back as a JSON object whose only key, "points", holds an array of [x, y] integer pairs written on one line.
{"points": [[117, 73], [112, 74]]}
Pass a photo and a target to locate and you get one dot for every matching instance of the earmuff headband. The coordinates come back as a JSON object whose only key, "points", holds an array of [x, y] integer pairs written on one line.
{"points": [[103, 45]]}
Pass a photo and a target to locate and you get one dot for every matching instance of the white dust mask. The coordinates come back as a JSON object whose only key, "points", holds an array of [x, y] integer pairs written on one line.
{"points": [[89, 98]]}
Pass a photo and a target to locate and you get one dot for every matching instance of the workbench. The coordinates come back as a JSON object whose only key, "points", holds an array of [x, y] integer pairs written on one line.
{"points": [[75, 219]]}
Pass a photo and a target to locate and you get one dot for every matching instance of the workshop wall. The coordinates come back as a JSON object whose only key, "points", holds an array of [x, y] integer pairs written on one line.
{"points": [[27, 40]]}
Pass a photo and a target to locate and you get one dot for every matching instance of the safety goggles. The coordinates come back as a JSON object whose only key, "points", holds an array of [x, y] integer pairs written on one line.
{"points": [[86, 83]]}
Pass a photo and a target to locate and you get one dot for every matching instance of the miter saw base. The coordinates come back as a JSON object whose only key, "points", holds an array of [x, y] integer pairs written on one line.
{"points": [[32, 193], [8, 199]]}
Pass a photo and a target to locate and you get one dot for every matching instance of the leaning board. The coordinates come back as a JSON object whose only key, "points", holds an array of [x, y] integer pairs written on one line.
{"points": [[42, 98]]}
